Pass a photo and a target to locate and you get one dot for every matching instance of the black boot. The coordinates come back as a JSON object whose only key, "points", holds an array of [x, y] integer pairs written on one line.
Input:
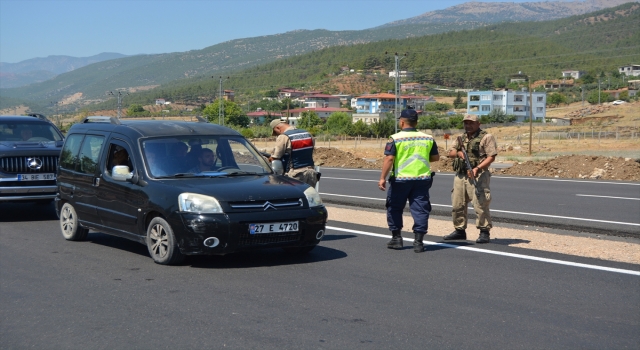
{"points": [[418, 245], [457, 234], [396, 240], [484, 237]]}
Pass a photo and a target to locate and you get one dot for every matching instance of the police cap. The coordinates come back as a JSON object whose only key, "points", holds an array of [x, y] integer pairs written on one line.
{"points": [[409, 114]]}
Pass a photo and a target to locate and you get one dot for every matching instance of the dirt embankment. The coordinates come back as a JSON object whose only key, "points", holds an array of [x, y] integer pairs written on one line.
{"points": [[581, 167], [574, 166]]}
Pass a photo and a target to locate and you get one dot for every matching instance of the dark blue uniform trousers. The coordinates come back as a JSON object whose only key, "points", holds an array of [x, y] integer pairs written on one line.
{"points": [[417, 192]]}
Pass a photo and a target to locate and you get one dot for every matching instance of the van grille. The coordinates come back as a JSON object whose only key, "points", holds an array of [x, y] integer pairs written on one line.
{"points": [[248, 240], [19, 165], [267, 205]]}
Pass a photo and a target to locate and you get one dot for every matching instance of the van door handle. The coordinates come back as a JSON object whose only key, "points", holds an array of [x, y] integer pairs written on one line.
{"points": [[96, 182]]}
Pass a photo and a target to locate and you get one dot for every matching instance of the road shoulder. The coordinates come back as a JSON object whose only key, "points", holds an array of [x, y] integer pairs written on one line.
{"points": [[620, 249]]}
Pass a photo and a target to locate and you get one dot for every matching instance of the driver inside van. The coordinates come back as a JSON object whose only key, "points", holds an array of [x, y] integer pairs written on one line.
{"points": [[206, 161]]}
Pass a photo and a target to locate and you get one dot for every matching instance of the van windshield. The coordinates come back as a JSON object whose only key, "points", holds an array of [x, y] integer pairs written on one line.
{"points": [[202, 155]]}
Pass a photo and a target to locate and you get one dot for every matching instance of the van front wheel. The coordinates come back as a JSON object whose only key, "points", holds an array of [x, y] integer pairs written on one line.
{"points": [[161, 243], [69, 225]]}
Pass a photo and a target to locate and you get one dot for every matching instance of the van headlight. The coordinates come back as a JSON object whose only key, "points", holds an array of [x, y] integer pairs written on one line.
{"points": [[198, 203], [313, 197]]}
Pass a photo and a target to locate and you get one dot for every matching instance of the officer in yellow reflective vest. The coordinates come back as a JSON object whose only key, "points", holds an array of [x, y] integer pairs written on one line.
{"points": [[408, 155]]}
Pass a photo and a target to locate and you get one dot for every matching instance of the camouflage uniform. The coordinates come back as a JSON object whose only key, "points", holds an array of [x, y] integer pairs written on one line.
{"points": [[463, 190]]}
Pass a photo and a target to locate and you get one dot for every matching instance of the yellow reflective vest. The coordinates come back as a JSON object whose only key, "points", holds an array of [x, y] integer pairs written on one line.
{"points": [[412, 155]]}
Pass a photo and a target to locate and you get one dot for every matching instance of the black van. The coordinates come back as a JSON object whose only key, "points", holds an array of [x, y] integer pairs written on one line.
{"points": [[181, 188]]}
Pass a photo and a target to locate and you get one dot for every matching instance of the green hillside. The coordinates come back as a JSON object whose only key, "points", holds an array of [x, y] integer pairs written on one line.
{"points": [[144, 71], [596, 42]]}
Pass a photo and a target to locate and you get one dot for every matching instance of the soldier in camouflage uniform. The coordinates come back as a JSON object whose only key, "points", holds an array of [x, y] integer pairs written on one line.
{"points": [[482, 150]]}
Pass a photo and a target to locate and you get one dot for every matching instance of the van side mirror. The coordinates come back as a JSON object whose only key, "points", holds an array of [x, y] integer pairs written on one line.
{"points": [[121, 173]]}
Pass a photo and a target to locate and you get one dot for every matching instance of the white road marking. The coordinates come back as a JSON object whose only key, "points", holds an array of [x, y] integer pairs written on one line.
{"points": [[487, 251], [503, 177], [591, 195], [502, 211], [346, 178]]}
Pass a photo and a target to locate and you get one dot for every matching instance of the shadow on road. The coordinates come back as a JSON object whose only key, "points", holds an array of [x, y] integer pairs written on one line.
{"points": [[27, 211], [268, 257], [337, 237], [264, 258], [124, 244], [509, 241]]}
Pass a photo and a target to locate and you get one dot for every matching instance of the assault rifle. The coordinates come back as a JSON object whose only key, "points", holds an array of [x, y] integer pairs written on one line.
{"points": [[472, 179]]}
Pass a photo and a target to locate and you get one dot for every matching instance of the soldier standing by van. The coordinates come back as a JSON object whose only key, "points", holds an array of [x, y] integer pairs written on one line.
{"points": [[482, 149]]}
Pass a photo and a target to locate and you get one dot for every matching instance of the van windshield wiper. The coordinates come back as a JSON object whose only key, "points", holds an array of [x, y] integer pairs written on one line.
{"points": [[242, 173]]}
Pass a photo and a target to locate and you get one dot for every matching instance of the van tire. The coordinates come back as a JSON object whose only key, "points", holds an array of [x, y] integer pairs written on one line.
{"points": [[161, 243], [69, 225]]}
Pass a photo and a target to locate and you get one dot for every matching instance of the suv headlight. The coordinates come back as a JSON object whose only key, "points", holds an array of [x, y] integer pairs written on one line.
{"points": [[198, 203], [313, 197]]}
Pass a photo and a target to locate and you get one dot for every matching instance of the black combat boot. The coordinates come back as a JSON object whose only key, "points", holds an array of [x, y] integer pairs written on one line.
{"points": [[396, 240], [418, 245], [484, 237], [457, 234]]}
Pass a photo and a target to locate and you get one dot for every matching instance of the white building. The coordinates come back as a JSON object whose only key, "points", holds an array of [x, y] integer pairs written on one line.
{"points": [[510, 102], [570, 73], [630, 70]]}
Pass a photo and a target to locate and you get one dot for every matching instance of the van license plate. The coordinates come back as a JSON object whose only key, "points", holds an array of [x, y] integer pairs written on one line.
{"points": [[36, 177], [273, 227]]}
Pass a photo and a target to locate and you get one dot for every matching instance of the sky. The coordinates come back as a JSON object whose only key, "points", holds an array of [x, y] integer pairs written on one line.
{"points": [[82, 28]]}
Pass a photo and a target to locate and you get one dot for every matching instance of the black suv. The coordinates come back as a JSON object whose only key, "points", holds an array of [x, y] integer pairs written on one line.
{"points": [[29, 151], [181, 188]]}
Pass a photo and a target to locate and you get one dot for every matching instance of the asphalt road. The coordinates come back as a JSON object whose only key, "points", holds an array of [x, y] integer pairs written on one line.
{"points": [[349, 293], [594, 206]]}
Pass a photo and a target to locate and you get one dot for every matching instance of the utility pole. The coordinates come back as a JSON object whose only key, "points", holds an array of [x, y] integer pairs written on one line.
{"points": [[582, 89], [119, 101], [221, 104], [530, 115], [397, 86], [598, 90], [56, 106]]}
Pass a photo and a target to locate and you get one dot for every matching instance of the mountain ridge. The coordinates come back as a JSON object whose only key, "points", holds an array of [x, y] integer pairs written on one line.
{"points": [[133, 72], [43, 68]]}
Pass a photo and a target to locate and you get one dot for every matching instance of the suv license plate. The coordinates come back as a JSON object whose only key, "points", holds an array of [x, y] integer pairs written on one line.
{"points": [[273, 227], [36, 177]]}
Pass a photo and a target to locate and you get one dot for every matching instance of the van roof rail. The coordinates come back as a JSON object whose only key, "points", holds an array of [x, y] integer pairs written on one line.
{"points": [[102, 119], [37, 115]]}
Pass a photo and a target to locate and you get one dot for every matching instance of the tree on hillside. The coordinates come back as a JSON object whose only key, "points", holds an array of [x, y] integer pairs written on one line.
{"points": [[308, 119], [556, 98], [487, 83], [338, 123], [135, 109], [232, 113], [497, 115], [359, 128], [384, 127], [458, 103], [271, 93]]}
